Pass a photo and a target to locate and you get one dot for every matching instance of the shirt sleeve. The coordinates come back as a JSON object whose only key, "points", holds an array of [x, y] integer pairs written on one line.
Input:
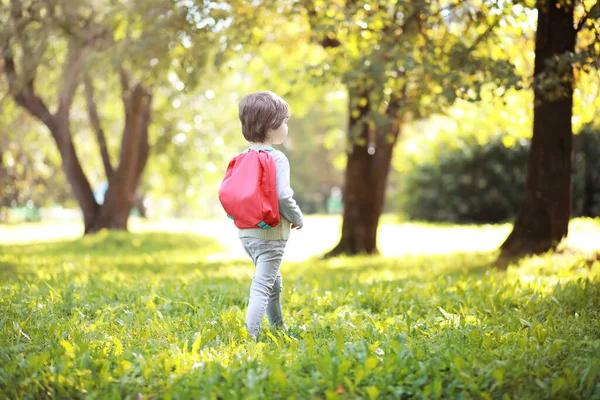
{"points": [[287, 205]]}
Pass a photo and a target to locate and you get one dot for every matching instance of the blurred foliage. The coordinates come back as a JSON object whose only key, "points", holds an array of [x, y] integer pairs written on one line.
{"points": [[464, 180], [586, 182], [504, 117], [30, 172], [315, 149], [162, 44], [403, 60], [460, 138]]}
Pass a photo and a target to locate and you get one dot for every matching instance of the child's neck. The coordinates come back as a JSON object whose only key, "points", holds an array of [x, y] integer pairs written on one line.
{"points": [[268, 143]]}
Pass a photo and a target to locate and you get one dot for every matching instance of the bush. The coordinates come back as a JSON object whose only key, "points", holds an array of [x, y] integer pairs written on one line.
{"points": [[586, 184], [464, 181]]}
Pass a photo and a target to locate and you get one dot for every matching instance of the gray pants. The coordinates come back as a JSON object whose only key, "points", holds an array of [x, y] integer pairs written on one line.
{"points": [[266, 284]]}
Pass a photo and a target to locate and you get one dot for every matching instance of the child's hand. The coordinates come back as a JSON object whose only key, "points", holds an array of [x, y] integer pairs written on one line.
{"points": [[296, 227]]}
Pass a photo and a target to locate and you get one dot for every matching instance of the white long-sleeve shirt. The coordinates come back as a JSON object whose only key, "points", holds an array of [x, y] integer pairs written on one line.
{"points": [[288, 208]]}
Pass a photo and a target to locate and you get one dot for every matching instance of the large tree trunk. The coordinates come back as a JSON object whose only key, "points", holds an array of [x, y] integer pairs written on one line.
{"points": [[367, 170], [121, 194], [140, 204], [543, 218], [71, 166]]}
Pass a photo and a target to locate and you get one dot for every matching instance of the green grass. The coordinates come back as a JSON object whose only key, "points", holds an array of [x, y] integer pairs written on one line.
{"points": [[148, 315]]}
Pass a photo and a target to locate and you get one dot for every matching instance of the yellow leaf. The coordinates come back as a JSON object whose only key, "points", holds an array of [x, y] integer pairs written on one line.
{"points": [[196, 345], [125, 366], [508, 141], [69, 349], [118, 350], [273, 338], [121, 30]]}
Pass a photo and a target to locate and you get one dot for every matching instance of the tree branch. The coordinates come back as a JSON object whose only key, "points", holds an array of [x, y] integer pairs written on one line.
{"points": [[395, 103], [72, 70], [484, 34], [4, 97], [31, 54], [23, 92], [326, 42], [586, 16], [416, 12], [134, 146], [96, 126], [144, 144], [124, 79]]}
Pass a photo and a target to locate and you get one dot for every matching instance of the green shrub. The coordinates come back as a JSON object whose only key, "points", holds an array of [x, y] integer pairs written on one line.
{"points": [[586, 184], [464, 181]]}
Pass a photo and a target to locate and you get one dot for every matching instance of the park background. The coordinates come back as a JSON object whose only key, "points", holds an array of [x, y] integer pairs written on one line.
{"points": [[446, 153]]}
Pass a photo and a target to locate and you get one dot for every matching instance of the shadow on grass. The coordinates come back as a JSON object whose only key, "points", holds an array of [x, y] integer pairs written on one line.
{"points": [[116, 244], [132, 255], [424, 266], [8, 268], [127, 258], [176, 255]]}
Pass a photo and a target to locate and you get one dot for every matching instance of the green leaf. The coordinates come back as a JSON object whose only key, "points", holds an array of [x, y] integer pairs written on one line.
{"points": [[498, 375], [459, 363], [370, 364], [373, 392]]}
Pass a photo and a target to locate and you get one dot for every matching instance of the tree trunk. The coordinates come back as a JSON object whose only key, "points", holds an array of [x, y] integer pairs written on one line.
{"points": [[121, 194], [139, 204], [80, 186], [74, 172], [367, 170], [543, 218]]}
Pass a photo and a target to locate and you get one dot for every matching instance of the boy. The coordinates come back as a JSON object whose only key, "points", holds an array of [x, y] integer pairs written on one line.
{"points": [[264, 117]]}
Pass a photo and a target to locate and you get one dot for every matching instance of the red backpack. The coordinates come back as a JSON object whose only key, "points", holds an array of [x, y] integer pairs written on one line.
{"points": [[248, 192]]}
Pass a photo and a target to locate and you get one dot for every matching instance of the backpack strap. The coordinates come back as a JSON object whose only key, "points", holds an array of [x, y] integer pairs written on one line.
{"points": [[269, 149], [268, 169], [264, 225]]}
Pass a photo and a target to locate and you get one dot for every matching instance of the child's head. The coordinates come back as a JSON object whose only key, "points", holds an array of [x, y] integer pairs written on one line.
{"points": [[264, 117]]}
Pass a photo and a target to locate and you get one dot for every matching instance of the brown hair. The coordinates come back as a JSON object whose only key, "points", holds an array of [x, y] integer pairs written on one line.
{"points": [[260, 112]]}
